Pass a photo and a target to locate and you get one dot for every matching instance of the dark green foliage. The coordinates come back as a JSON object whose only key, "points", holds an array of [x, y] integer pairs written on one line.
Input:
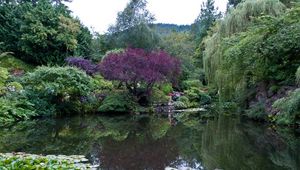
{"points": [[13, 64], [167, 88], [118, 102], [182, 103], [57, 89], [236, 59], [179, 105], [289, 109], [99, 46], [167, 29], [191, 83], [134, 14], [3, 76], [181, 45], [84, 39], [139, 36], [159, 96], [42, 33], [257, 112], [195, 95], [15, 108], [208, 15], [131, 28], [298, 76], [234, 3]]}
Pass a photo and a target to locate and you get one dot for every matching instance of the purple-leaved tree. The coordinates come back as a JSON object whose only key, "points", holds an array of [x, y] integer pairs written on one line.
{"points": [[139, 70], [83, 64]]}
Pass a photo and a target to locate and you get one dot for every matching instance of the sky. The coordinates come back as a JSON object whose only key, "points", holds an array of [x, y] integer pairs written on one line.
{"points": [[100, 14]]}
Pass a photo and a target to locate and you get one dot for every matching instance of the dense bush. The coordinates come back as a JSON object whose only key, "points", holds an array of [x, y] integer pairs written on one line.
{"points": [[43, 32], [57, 88], [180, 105], [83, 64], [167, 88], [3, 77], [14, 64], [185, 100], [159, 96], [196, 95], [101, 84], [14, 108], [118, 102], [289, 109], [113, 51], [191, 83], [298, 76], [257, 112]]}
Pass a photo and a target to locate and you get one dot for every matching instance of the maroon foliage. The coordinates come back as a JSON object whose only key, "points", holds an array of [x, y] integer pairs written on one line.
{"points": [[137, 67], [83, 64]]}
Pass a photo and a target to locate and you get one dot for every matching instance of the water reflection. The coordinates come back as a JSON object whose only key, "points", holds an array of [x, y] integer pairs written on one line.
{"points": [[151, 143]]}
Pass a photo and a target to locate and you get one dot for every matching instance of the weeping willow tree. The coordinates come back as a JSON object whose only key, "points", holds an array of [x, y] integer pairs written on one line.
{"points": [[221, 49], [298, 76]]}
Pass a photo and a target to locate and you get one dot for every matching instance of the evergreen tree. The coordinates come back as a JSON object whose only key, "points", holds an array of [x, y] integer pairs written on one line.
{"points": [[42, 33], [132, 27], [233, 3], [208, 15]]}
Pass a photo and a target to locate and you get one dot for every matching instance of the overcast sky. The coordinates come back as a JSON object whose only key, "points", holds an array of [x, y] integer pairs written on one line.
{"points": [[99, 14]]}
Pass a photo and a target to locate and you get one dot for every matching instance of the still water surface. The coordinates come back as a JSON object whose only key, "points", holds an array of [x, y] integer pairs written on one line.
{"points": [[137, 143]]}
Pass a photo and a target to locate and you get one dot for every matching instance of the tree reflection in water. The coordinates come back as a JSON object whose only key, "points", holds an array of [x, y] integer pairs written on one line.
{"points": [[150, 142]]}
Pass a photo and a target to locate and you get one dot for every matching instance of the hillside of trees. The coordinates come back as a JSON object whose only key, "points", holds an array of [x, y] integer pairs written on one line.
{"points": [[247, 57]]}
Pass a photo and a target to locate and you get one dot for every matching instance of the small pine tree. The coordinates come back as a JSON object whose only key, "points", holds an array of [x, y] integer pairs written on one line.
{"points": [[208, 15]]}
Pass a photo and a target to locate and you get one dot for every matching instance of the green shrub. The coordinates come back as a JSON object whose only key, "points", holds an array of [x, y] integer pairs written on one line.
{"points": [[3, 77], [119, 102], [191, 83], [167, 88], [101, 84], [159, 96], [14, 86], [298, 76], [179, 105], [204, 98], [113, 51], [196, 95], [57, 88], [12, 63], [184, 99], [15, 109], [257, 112], [289, 109]]}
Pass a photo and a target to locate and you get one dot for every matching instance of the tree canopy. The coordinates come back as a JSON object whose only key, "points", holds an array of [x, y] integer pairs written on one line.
{"points": [[136, 67], [208, 15], [132, 27], [42, 33]]}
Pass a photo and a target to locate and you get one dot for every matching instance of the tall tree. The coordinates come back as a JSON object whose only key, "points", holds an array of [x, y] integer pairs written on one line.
{"points": [[208, 15], [134, 14], [132, 27], [234, 3], [139, 70], [42, 33]]}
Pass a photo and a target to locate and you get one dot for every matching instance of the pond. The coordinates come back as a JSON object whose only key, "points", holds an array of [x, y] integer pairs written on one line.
{"points": [[149, 142]]}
